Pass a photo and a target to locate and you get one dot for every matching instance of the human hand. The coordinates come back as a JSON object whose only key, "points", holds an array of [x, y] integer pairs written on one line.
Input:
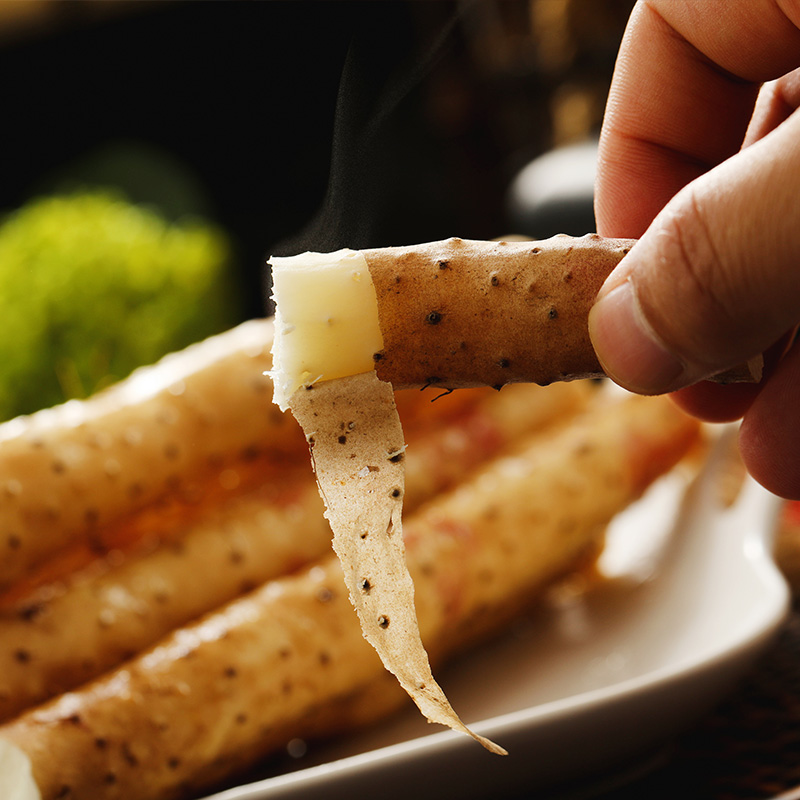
{"points": [[702, 164]]}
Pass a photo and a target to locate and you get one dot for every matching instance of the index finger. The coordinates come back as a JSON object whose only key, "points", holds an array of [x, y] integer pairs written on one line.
{"points": [[686, 80]]}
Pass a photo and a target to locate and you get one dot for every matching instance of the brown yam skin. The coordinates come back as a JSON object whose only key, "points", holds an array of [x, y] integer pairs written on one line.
{"points": [[279, 663], [459, 312]]}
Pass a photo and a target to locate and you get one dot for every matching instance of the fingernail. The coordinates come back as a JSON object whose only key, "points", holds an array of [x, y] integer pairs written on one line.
{"points": [[629, 351]]}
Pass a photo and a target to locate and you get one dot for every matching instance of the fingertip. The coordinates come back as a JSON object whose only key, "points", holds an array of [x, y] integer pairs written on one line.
{"points": [[713, 402], [627, 348], [769, 438], [773, 465]]}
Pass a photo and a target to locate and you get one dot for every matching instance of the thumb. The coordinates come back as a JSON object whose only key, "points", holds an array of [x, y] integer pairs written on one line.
{"points": [[715, 280]]}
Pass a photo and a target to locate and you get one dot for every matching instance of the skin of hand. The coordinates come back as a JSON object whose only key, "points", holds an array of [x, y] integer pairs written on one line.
{"points": [[700, 160]]}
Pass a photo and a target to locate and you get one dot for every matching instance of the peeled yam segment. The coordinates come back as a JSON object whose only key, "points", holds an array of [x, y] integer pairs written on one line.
{"points": [[352, 325], [323, 358]]}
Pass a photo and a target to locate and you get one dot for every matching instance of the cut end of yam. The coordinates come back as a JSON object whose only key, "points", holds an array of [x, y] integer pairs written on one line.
{"points": [[326, 320], [16, 778]]}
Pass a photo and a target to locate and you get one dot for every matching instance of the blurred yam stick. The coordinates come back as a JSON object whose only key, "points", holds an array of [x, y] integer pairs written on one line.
{"points": [[71, 632], [426, 410], [56, 638], [166, 431], [217, 696], [501, 420], [164, 522]]}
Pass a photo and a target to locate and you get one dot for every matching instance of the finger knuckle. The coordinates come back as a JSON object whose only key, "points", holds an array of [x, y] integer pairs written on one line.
{"points": [[691, 300], [701, 260]]}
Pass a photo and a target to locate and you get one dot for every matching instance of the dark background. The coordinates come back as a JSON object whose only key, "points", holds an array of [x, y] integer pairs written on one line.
{"points": [[301, 125]]}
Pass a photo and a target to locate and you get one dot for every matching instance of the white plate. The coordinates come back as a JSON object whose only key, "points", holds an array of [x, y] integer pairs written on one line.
{"points": [[592, 681]]}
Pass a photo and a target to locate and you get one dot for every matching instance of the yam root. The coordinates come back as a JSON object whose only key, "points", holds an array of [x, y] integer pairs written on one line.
{"points": [[449, 314], [351, 325], [217, 696], [170, 430]]}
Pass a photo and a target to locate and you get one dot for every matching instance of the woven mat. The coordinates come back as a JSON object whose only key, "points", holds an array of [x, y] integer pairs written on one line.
{"points": [[749, 747]]}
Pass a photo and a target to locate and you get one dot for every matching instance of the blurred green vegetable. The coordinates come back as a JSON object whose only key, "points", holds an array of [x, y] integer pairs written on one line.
{"points": [[92, 287]]}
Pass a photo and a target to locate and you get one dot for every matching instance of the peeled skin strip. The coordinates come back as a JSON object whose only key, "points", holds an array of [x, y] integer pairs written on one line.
{"points": [[359, 456], [358, 449], [167, 430], [217, 696]]}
